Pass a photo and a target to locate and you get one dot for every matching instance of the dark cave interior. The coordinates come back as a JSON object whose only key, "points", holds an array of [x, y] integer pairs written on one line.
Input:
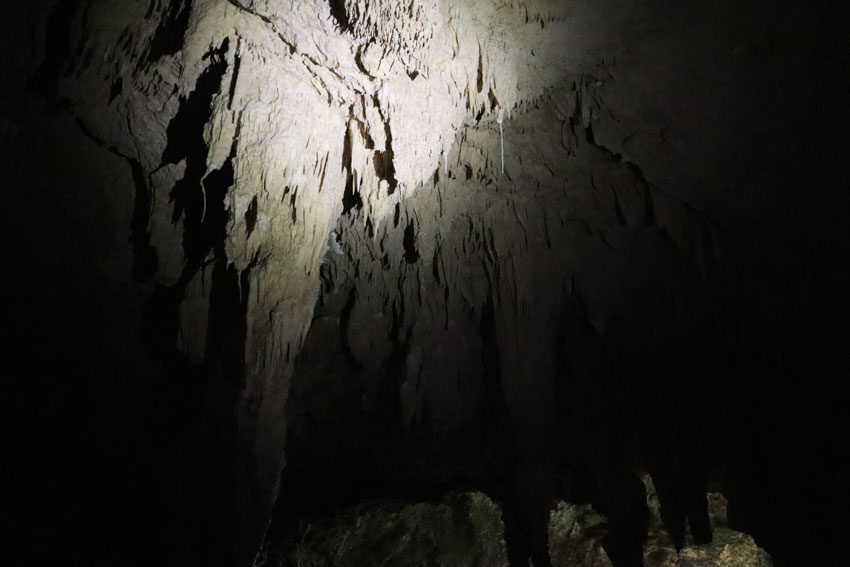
{"points": [[268, 263]]}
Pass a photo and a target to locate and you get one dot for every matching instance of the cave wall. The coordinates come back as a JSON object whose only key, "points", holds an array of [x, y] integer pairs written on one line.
{"points": [[536, 320], [570, 235], [197, 192]]}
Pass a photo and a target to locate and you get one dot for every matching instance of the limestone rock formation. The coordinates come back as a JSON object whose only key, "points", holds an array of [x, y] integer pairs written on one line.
{"points": [[269, 259], [466, 529]]}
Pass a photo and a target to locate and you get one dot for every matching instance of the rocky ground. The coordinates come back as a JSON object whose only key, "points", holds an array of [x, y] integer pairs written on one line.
{"points": [[466, 529]]}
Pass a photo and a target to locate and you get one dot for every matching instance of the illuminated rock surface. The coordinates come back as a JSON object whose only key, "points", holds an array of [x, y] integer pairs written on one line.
{"points": [[466, 529], [269, 259]]}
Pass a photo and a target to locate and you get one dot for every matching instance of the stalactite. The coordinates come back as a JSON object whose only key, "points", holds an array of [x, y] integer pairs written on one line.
{"points": [[446, 330], [502, 145]]}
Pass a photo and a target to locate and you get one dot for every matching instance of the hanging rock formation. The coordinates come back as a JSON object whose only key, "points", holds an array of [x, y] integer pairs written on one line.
{"points": [[369, 248]]}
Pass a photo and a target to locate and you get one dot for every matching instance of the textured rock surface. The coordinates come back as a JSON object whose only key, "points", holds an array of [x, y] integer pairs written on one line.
{"points": [[466, 529], [399, 247], [244, 126]]}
